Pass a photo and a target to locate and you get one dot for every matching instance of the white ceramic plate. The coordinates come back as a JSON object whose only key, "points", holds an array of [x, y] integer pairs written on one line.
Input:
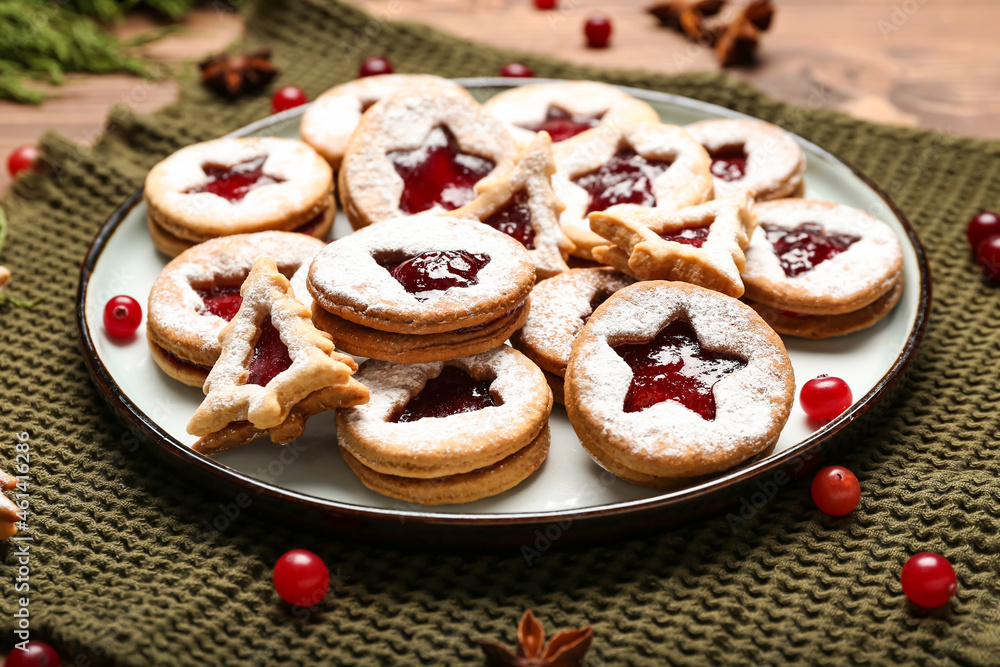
{"points": [[124, 261]]}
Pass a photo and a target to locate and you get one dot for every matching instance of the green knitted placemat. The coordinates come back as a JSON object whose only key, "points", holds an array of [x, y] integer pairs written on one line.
{"points": [[122, 570]]}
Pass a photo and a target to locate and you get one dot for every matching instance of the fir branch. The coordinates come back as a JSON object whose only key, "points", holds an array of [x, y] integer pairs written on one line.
{"points": [[42, 41]]}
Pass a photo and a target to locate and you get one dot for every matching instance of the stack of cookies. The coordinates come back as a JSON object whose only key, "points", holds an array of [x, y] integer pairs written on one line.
{"points": [[692, 253]]}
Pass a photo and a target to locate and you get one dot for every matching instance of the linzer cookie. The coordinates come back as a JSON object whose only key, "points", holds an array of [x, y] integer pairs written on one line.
{"points": [[275, 370], [566, 109], [702, 244], [670, 381], [198, 292], [521, 204], [647, 164], [754, 155], [420, 151], [560, 306], [421, 288], [819, 269], [328, 123], [236, 186], [452, 432]]}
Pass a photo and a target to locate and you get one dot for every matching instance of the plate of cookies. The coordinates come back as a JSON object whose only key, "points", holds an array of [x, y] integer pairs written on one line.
{"points": [[466, 310]]}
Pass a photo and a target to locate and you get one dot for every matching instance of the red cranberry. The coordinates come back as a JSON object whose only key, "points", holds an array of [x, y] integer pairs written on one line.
{"points": [[516, 71], [301, 578], [37, 654], [825, 397], [836, 490], [122, 315], [598, 31], [22, 158], [984, 225], [988, 256], [545, 4], [928, 579], [288, 97], [374, 65]]}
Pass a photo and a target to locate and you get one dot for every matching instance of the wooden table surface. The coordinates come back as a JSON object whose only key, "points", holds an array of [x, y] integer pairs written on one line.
{"points": [[924, 63]]}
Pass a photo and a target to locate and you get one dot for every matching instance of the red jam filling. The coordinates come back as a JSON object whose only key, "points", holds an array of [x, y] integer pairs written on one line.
{"points": [[430, 274], [479, 327], [309, 227], [627, 178], [729, 163], [182, 363], [234, 182], [562, 125], [692, 236], [802, 249], [793, 314], [675, 367], [451, 393], [221, 301], [438, 173], [514, 220], [599, 297], [270, 355]]}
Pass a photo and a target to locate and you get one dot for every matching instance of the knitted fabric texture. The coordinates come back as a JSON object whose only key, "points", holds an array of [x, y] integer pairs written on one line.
{"points": [[125, 570]]}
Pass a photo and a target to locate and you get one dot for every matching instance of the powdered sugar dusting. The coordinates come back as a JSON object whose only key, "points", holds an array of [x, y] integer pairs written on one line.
{"points": [[328, 123], [346, 273], [519, 388], [401, 122], [774, 158], [749, 402], [175, 307], [868, 264], [687, 182], [528, 105], [307, 181], [558, 306]]}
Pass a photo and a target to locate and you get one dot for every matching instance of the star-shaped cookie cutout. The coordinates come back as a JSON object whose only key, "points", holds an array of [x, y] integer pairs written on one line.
{"points": [[275, 369], [522, 204], [10, 514], [702, 244]]}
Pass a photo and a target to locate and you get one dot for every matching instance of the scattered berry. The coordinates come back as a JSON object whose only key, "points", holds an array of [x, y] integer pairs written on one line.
{"points": [[517, 71], [288, 97], [988, 256], [38, 654], [301, 578], [928, 579], [122, 315], [545, 4], [984, 225], [598, 31], [825, 397], [836, 490], [373, 65], [22, 158]]}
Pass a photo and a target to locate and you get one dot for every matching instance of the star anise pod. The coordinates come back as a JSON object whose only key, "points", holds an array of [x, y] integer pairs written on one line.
{"points": [[565, 649], [688, 16], [733, 27], [738, 44], [233, 75]]}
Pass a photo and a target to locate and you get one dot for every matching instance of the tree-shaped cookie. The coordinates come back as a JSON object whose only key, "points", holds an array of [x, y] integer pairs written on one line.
{"points": [[522, 204], [274, 372], [702, 244]]}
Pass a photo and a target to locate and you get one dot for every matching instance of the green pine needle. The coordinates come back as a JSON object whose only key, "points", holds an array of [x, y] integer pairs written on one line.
{"points": [[42, 40]]}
